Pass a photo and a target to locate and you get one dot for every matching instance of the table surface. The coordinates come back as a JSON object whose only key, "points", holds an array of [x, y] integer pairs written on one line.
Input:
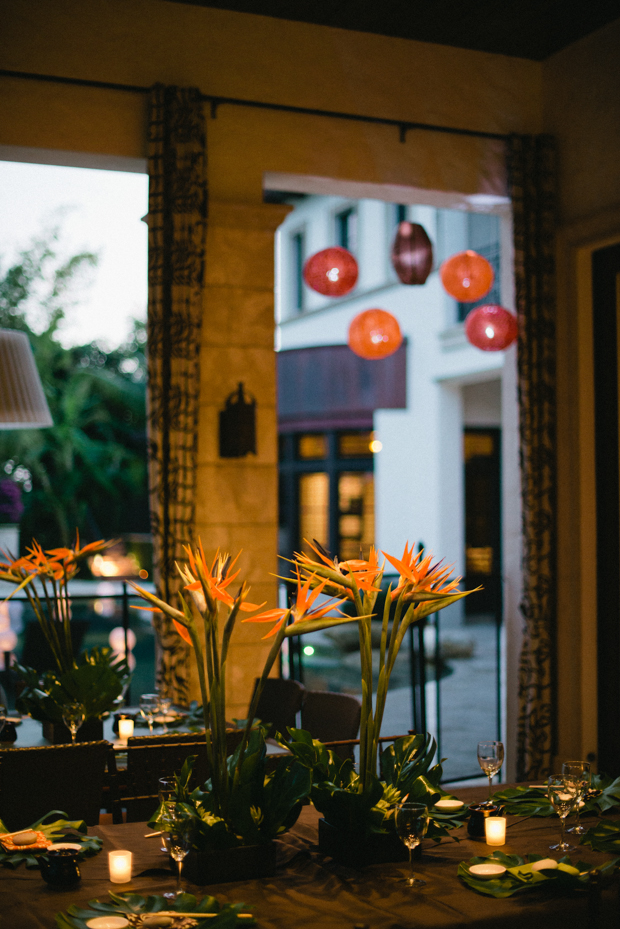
{"points": [[309, 890]]}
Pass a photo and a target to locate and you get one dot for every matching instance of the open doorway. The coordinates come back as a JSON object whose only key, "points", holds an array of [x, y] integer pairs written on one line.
{"points": [[431, 483], [73, 277]]}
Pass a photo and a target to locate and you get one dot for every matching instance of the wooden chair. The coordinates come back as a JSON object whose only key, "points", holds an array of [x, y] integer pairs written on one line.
{"points": [[150, 757], [279, 704], [34, 781], [332, 717]]}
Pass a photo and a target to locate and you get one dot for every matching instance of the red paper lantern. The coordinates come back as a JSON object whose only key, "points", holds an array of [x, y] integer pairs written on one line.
{"points": [[491, 327], [332, 272], [374, 334], [412, 253], [467, 276]]}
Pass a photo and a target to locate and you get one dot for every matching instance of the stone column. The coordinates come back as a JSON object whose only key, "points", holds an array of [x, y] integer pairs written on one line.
{"points": [[237, 500]]}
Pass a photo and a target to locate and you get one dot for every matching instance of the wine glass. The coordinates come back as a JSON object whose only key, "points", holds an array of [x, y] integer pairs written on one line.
{"points": [[411, 826], [166, 790], [148, 707], [563, 793], [73, 715], [178, 824], [163, 707], [490, 759], [578, 771]]}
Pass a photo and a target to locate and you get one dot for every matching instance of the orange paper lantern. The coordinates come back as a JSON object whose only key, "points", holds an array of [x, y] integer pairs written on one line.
{"points": [[331, 272], [467, 276], [374, 334], [412, 253], [491, 328]]}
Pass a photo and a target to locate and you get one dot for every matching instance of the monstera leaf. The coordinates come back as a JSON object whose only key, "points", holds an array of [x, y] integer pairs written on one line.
{"points": [[96, 682]]}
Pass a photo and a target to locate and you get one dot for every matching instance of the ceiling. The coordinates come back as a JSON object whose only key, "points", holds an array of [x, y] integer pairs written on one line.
{"points": [[531, 29]]}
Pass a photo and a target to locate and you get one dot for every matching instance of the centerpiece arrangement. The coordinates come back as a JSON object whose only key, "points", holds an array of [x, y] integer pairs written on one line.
{"points": [[248, 803], [90, 683], [359, 806]]}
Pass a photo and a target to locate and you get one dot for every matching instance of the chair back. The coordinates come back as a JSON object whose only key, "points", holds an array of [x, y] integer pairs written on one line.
{"points": [[151, 757], [332, 717], [36, 780], [279, 703]]}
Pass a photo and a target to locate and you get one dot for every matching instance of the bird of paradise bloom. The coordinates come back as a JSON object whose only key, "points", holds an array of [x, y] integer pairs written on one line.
{"points": [[302, 610], [420, 579], [342, 578]]}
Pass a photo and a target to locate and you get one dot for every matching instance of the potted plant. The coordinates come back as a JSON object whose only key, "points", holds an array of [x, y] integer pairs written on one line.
{"points": [[96, 678], [247, 801], [359, 806]]}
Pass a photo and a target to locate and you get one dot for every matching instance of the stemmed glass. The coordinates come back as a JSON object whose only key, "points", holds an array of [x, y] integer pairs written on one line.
{"points": [[163, 707], [178, 824], [579, 772], [166, 790], [149, 704], [490, 759], [411, 826], [562, 793], [73, 715]]}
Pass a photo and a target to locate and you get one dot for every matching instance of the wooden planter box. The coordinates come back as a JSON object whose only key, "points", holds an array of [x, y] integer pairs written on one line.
{"points": [[357, 850], [243, 863], [57, 733]]}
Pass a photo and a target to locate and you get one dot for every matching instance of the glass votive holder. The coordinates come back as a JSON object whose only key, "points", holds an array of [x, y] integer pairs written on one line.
{"points": [[495, 830], [125, 729], [119, 863]]}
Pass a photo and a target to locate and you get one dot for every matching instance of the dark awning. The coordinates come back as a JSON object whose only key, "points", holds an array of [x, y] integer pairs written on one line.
{"points": [[330, 387]]}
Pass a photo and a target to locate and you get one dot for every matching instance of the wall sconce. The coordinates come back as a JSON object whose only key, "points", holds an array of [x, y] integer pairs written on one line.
{"points": [[22, 401], [238, 425]]}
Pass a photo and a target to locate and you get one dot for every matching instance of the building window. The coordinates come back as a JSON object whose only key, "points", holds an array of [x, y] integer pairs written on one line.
{"points": [[346, 229], [400, 213], [483, 237], [327, 492], [298, 251]]}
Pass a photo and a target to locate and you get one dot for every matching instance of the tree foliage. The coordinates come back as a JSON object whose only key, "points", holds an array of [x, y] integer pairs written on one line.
{"points": [[88, 471]]}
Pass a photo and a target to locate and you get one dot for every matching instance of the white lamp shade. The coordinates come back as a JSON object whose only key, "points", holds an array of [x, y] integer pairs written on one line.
{"points": [[22, 401]]}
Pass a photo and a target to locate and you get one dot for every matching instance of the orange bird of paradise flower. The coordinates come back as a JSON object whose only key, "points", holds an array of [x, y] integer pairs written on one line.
{"points": [[418, 574], [363, 573], [301, 611]]}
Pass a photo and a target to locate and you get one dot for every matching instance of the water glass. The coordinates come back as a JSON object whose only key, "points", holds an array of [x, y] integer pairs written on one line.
{"points": [[411, 826], [149, 704], [73, 715], [579, 771]]}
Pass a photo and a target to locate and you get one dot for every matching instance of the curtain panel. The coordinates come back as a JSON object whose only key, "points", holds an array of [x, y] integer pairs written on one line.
{"points": [[532, 174], [177, 232]]}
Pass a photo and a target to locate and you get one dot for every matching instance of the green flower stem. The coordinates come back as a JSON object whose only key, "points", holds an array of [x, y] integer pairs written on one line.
{"points": [[269, 663]]}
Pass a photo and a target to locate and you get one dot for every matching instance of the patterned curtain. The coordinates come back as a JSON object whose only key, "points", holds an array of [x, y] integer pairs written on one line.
{"points": [[177, 229], [531, 168]]}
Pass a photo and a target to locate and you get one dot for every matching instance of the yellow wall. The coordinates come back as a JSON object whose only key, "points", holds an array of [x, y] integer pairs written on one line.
{"points": [[582, 109]]}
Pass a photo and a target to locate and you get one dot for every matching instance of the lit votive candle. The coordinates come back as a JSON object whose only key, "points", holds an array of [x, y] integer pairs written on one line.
{"points": [[125, 729], [120, 867], [495, 830]]}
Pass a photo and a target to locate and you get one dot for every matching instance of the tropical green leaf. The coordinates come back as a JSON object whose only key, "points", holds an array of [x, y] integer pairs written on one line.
{"points": [[59, 830], [519, 876]]}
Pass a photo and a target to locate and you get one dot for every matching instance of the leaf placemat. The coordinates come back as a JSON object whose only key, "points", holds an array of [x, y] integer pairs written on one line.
{"points": [[603, 837], [60, 830], [532, 800], [519, 876], [137, 910]]}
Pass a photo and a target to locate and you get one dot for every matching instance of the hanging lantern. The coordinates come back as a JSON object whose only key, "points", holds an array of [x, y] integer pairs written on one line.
{"points": [[491, 328], [467, 276], [412, 253], [374, 334], [331, 272]]}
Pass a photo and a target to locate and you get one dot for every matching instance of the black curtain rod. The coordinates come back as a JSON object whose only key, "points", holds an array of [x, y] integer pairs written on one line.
{"points": [[403, 126]]}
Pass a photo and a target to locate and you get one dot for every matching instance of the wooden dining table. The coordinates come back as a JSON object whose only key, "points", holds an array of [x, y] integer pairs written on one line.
{"points": [[309, 890]]}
